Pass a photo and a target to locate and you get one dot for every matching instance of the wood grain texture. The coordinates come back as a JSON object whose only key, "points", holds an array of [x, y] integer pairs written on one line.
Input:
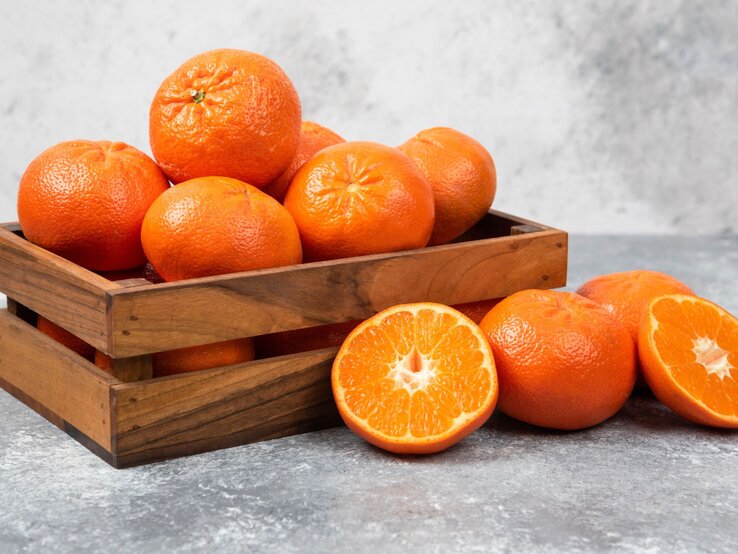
{"points": [[58, 289], [68, 387], [174, 315], [222, 407], [137, 368], [133, 419]]}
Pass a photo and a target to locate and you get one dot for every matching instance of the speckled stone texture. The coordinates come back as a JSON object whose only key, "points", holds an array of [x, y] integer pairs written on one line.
{"points": [[644, 481], [614, 117]]}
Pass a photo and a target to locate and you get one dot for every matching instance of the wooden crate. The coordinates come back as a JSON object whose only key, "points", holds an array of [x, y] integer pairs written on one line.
{"points": [[128, 418]]}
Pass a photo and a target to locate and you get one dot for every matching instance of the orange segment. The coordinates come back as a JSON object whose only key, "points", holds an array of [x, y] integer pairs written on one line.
{"points": [[415, 378], [689, 353]]}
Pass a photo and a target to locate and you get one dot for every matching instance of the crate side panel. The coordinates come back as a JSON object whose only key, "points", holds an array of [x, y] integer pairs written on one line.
{"points": [[189, 314], [223, 407], [65, 293], [67, 386]]}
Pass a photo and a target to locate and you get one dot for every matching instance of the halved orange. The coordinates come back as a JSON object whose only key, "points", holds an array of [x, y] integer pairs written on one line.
{"points": [[688, 349], [415, 378]]}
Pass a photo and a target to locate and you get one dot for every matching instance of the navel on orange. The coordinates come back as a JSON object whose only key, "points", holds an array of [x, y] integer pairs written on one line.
{"points": [[688, 349], [415, 378]]}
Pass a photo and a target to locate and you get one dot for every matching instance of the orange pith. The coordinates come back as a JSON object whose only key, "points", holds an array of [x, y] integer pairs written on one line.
{"points": [[689, 355], [415, 378]]}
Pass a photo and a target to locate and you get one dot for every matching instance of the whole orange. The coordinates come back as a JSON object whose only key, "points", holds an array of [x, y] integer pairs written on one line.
{"points": [[358, 198], [85, 201], [217, 225], [563, 361], [462, 174], [313, 139], [193, 358], [626, 296], [225, 112]]}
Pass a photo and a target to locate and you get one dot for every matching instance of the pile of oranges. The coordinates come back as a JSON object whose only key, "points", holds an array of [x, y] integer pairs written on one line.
{"points": [[256, 187]]}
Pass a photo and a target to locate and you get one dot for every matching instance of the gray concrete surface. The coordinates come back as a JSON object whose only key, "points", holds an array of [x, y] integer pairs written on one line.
{"points": [[644, 481], [602, 116]]}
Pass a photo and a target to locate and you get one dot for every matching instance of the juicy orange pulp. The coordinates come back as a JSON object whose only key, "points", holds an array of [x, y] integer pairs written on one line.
{"points": [[689, 349], [415, 378]]}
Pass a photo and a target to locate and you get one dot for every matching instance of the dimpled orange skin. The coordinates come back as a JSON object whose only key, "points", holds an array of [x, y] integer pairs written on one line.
{"points": [[672, 369], [193, 358], [85, 201], [358, 198], [626, 296], [563, 362], [313, 139], [225, 112], [217, 225], [462, 174]]}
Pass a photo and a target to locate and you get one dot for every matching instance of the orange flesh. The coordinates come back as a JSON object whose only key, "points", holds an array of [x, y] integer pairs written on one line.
{"points": [[416, 373], [699, 345]]}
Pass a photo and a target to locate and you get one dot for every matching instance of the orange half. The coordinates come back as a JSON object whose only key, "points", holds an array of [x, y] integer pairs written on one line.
{"points": [[688, 349], [415, 378]]}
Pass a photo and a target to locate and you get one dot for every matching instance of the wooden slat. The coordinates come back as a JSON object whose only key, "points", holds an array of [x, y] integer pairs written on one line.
{"points": [[137, 368], [174, 315], [222, 407], [69, 388], [61, 291], [524, 229]]}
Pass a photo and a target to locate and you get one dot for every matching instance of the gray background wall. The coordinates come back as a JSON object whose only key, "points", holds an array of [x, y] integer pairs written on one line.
{"points": [[602, 117]]}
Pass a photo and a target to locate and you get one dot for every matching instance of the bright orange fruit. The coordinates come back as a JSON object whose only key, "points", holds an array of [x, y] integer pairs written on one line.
{"points": [[85, 201], [225, 112], [626, 294], [313, 138], [358, 198], [688, 349], [217, 225], [62, 336], [415, 378], [562, 360], [193, 358], [462, 174]]}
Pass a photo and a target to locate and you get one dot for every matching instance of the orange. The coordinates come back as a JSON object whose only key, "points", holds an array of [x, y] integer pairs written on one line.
{"points": [[217, 225], [313, 139], [462, 174], [333, 334], [415, 378], [476, 311], [358, 198], [626, 295], [688, 349], [62, 336], [85, 201], [193, 358], [562, 360], [225, 112]]}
